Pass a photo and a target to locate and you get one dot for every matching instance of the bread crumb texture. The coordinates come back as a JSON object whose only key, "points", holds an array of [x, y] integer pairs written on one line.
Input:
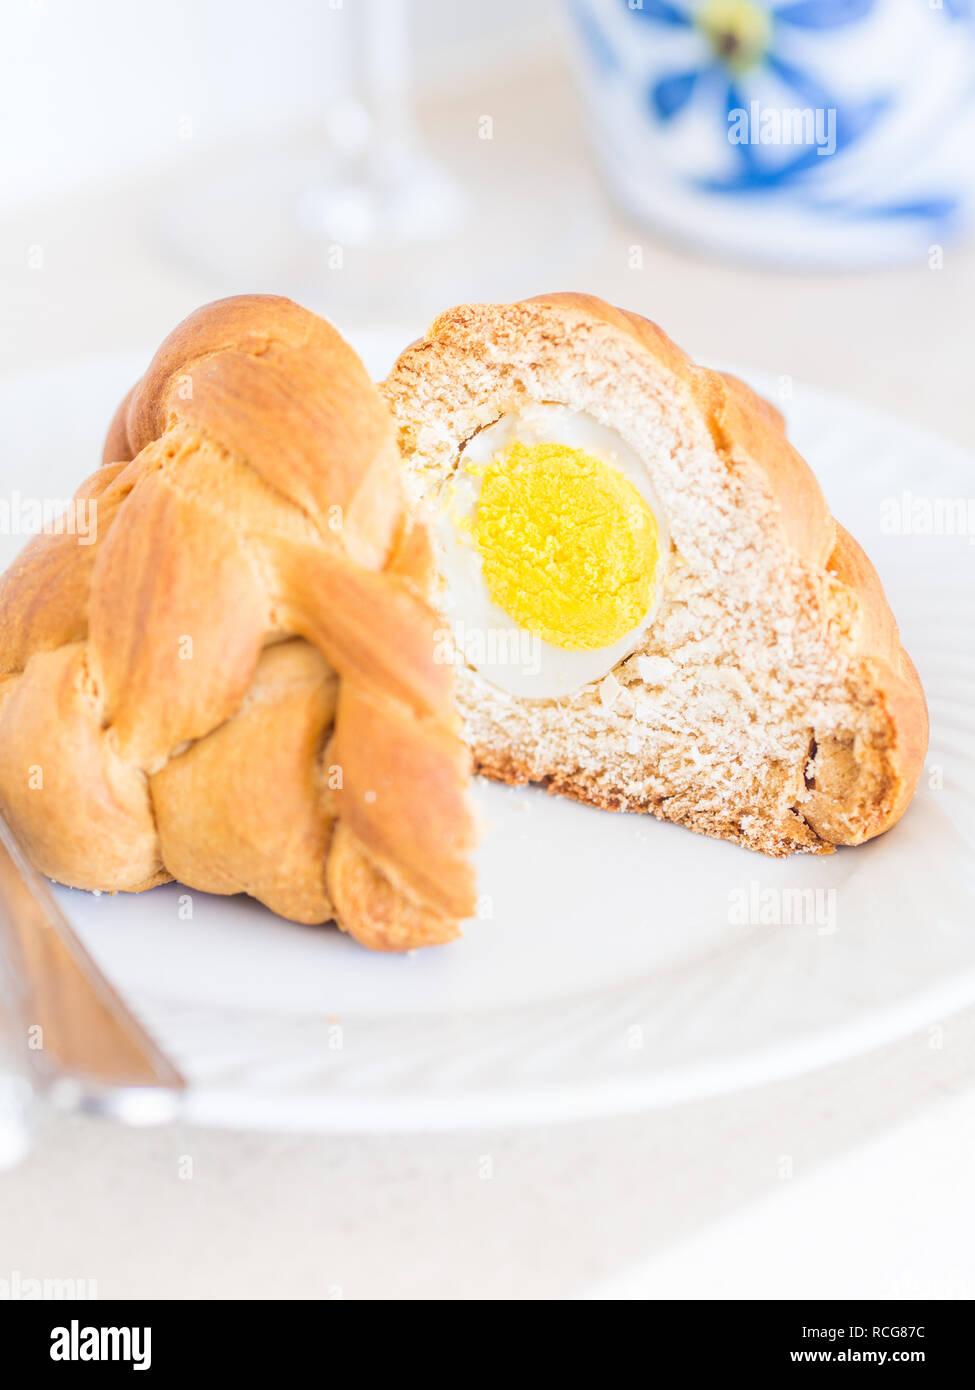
{"points": [[770, 701]]}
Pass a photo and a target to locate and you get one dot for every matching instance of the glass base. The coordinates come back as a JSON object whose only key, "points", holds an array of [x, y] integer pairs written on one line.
{"points": [[405, 239]]}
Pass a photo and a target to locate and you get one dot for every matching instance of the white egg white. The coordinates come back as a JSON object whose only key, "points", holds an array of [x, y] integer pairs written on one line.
{"points": [[502, 651]]}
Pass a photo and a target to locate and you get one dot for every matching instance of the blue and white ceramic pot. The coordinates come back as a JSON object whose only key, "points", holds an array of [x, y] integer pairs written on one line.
{"points": [[835, 133]]}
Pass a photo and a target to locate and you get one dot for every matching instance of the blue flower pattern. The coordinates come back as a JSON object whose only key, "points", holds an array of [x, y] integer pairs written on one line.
{"points": [[720, 81], [671, 93]]}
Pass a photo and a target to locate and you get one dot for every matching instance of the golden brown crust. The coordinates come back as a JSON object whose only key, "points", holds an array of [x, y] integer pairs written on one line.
{"points": [[860, 793], [154, 721], [859, 783], [748, 432], [488, 762]]}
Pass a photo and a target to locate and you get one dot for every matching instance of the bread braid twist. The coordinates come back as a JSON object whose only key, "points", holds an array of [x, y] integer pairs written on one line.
{"points": [[235, 685]]}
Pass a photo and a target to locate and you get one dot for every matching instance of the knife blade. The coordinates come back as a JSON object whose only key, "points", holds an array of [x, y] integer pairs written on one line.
{"points": [[81, 1043]]}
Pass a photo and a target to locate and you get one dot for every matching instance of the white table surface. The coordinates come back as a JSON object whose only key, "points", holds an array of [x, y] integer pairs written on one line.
{"points": [[692, 1201]]}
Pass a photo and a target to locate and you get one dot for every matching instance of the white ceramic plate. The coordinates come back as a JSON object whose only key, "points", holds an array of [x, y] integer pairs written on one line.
{"points": [[610, 975]]}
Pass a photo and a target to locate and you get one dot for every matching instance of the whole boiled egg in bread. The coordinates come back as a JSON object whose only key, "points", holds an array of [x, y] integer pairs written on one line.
{"points": [[553, 545]]}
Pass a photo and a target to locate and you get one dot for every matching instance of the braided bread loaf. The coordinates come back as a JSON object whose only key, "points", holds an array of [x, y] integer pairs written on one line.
{"points": [[235, 685]]}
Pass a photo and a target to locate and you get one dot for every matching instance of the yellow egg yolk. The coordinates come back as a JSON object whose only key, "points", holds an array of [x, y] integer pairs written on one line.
{"points": [[569, 548]]}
